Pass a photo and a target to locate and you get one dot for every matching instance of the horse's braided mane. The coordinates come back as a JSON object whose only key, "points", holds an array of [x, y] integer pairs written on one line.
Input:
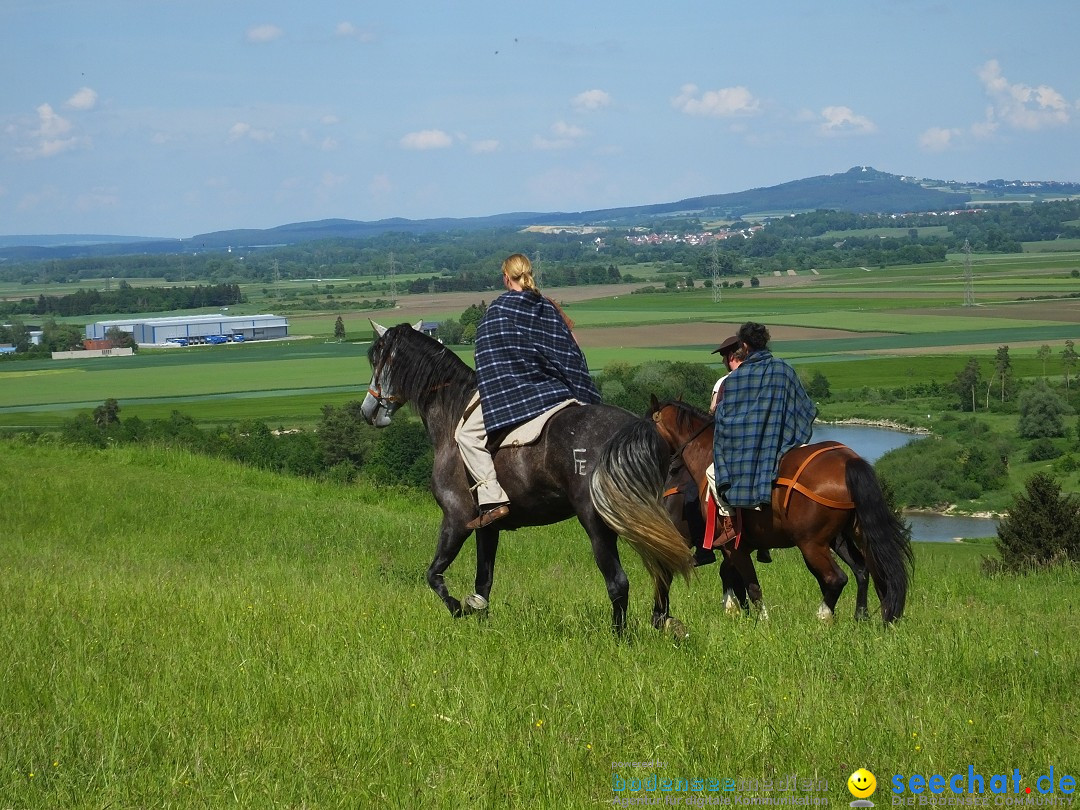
{"points": [[424, 371]]}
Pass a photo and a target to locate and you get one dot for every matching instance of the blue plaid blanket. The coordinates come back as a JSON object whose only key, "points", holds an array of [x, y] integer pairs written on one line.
{"points": [[764, 413], [527, 361]]}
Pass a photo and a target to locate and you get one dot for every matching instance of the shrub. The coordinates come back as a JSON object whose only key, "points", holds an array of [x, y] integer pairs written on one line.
{"points": [[1042, 528], [1042, 450], [1041, 413]]}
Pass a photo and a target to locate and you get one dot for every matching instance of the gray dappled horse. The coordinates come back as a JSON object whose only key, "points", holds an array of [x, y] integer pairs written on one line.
{"points": [[598, 462]]}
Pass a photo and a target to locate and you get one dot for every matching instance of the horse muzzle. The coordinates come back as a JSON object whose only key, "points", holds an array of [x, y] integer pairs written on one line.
{"points": [[374, 412]]}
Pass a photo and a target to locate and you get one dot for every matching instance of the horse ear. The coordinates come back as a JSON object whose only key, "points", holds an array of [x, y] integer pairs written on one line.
{"points": [[654, 403], [418, 326], [379, 329]]}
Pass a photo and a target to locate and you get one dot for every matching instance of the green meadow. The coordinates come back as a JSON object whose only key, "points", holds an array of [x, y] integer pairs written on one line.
{"points": [[183, 632]]}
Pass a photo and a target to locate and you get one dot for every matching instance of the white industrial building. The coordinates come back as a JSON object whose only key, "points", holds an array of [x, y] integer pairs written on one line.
{"points": [[194, 328]]}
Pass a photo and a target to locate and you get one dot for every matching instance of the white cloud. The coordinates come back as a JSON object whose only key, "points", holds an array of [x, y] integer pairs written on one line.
{"points": [[84, 99], [1021, 106], [426, 139], [350, 31], [329, 120], [565, 130], [51, 136], [591, 100], [938, 139], [484, 146], [722, 103], [244, 131], [263, 33], [844, 121], [566, 135]]}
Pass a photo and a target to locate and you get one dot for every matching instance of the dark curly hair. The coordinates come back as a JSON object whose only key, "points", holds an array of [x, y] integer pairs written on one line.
{"points": [[754, 335]]}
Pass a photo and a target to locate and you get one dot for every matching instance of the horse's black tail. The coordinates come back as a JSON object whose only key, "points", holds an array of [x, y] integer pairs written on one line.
{"points": [[887, 541], [627, 490]]}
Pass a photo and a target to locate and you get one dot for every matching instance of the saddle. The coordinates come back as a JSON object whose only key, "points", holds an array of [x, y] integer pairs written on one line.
{"points": [[792, 485], [523, 434]]}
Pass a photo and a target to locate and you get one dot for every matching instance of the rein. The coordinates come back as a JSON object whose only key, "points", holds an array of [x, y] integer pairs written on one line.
{"points": [[678, 453]]}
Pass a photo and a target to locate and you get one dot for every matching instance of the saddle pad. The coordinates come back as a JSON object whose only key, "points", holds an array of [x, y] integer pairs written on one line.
{"points": [[530, 431]]}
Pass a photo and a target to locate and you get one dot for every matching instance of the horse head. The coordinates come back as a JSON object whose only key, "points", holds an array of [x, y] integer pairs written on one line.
{"points": [[409, 366], [380, 403], [676, 421]]}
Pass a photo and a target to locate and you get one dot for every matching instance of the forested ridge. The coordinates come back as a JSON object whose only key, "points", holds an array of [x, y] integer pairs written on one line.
{"points": [[470, 260]]}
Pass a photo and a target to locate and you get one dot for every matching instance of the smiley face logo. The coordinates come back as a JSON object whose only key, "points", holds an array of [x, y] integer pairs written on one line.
{"points": [[862, 784]]}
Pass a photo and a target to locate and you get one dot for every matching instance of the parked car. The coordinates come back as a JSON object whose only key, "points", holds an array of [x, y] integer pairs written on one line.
{"points": [[177, 341], [237, 338], [216, 339]]}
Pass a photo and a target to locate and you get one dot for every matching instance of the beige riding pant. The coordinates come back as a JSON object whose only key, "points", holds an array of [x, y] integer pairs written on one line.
{"points": [[721, 505], [471, 438]]}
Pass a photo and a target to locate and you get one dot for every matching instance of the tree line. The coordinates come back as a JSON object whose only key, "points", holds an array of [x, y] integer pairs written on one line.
{"points": [[470, 260], [125, 299]]}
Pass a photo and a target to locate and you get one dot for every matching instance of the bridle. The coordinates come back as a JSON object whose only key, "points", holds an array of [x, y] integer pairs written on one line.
{"points": [[678, 453], [387, 402], [391, 402]]}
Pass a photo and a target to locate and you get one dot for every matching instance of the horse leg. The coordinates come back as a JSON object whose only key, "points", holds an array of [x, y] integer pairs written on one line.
{"points": [[451, 538], [849, 552], [819, 560], [606, 553], [487, 545], [744, 567], [734, 599]]}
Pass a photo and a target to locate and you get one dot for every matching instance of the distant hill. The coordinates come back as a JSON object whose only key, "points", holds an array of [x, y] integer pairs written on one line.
{"points": [[861, 190], [71, 239]]}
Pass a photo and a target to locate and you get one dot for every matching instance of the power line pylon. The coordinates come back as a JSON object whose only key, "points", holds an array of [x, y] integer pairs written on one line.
{"points": [[714, 263]]}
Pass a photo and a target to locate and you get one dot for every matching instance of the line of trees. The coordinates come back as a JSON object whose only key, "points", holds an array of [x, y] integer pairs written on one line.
{"points": [[470, 260], [125, 299]]}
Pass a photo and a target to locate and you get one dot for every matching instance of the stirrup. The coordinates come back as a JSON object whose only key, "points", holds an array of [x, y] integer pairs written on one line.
{"points": [[725, 530]]}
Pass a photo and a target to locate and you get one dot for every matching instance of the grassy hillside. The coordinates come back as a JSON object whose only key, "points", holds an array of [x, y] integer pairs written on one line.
{"points": [[183, 632]]}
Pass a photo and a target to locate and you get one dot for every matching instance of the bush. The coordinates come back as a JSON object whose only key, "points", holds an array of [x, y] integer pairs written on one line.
{"points": [[1042, 450], [1042, 528], [1041, 413]]}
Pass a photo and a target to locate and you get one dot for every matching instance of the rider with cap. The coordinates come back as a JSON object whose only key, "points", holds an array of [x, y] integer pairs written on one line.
{"points": [[764, 412]]}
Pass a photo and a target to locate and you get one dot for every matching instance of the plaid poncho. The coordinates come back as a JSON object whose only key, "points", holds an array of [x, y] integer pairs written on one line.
{"points": [[527, 361], [764, 413]]}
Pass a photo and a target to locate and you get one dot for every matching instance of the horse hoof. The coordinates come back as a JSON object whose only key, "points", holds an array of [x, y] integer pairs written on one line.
{"points": [[824, 614], [676, 629], [475, 603], [731, 604]]}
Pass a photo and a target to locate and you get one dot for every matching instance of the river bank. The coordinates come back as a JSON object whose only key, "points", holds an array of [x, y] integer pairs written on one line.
{"points": [[872, 438]]}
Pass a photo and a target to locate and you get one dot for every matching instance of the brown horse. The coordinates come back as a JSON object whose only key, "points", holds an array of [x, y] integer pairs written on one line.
{"points": [[826, 497]]}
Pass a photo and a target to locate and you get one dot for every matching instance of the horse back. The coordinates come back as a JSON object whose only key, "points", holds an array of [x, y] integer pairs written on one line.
{"points": [[551, 475], [820, 467]]}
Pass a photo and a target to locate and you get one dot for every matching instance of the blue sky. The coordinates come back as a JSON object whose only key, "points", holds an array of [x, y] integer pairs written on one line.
{"points": [[176, 117]]}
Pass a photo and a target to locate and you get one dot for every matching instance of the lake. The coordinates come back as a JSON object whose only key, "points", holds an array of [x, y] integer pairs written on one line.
{"points": [[872, 443]]}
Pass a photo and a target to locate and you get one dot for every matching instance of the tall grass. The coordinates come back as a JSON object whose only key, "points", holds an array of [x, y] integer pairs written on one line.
{"points": [[179, 631]]}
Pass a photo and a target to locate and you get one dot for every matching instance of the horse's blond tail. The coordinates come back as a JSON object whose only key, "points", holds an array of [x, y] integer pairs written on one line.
{"points": [[627, 490]]}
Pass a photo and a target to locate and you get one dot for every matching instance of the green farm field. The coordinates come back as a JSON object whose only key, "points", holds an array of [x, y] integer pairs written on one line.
{"points": [[879, 328], [186, 632]]}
